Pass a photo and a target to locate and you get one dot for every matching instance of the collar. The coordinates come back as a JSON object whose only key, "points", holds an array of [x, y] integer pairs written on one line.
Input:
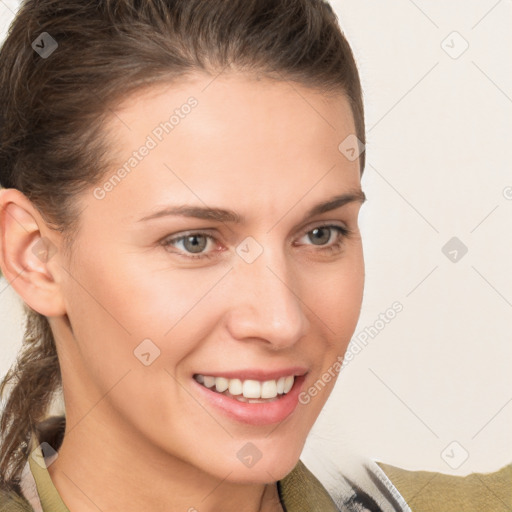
{"points": [[36, 484]]}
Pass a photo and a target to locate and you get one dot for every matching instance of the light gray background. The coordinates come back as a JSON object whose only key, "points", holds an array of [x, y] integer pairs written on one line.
{"points": [[432, 390]]}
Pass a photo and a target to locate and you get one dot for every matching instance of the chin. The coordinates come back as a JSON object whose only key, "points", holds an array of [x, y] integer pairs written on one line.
{"points": [[264, 466]]}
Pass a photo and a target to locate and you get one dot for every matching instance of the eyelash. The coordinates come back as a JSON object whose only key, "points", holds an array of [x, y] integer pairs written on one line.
{"points": [[343, 233]]}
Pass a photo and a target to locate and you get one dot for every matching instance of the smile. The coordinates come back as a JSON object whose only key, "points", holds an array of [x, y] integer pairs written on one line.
{"points": [[255, 397], [249, 390]]}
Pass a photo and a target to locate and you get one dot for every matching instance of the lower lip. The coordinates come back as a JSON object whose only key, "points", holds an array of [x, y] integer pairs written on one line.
{"points": [[256, 413]]}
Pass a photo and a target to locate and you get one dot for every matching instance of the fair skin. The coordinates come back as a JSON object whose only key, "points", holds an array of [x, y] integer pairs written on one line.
{"points": [[148, 437]]}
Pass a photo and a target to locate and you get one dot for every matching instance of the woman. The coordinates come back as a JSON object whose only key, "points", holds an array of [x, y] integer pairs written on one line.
{"points": [[181, 188]]}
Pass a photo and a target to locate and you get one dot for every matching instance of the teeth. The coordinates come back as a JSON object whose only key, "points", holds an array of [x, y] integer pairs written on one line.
{"points": [[221, 384], [209, 381], [288, 383], [235, 386], [249, 389], [269, 389]]}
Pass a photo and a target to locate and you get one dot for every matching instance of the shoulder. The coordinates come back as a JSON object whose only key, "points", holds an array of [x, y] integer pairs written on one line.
{"points": [[362, 488], [301, 490], [476, 492]]}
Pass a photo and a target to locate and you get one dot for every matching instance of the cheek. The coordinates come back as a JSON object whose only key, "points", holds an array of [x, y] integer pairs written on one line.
{"points": [[126, 304], [335, 300], [131, 331], [127, 295], [334, 295]]}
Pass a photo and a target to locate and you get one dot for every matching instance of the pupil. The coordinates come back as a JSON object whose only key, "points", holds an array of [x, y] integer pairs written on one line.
{"points": [[196, 247], [316, 230]]}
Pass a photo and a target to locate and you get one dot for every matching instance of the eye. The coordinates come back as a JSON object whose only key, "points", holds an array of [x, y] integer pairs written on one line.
{"points": [[324, 234], [193, 244]]}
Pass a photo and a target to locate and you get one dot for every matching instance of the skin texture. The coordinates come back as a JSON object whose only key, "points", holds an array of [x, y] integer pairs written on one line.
{"points": [[140, 437]]}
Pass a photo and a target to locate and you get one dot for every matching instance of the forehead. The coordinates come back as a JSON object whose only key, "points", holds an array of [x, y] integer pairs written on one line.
{"points": [[247, 108], [231, 138]]}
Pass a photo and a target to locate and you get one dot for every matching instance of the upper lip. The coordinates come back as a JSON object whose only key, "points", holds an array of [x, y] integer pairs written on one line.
{"points": [[256, 373]]}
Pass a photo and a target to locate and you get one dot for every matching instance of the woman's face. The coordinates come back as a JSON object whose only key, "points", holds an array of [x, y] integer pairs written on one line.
{"points": [[258, 298]]}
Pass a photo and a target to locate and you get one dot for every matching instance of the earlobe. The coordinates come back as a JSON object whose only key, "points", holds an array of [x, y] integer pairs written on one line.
{"points": [[26, 255]]}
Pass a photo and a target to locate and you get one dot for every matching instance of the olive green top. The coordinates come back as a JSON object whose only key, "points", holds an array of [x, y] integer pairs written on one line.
{"points": [[429, 491]]}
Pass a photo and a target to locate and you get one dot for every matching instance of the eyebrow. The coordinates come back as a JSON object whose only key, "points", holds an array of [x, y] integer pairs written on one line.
{"points": [[223, 215]]}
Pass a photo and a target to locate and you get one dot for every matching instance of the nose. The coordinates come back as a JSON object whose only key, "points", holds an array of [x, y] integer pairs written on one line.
{"points": [[265, 304]]}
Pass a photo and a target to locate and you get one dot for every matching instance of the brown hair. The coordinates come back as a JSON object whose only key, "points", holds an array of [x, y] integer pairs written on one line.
{"points": [[54, 107]]}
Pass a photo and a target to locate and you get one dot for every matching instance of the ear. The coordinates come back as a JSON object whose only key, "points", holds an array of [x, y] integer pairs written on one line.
{"points": [[27, 257]]}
